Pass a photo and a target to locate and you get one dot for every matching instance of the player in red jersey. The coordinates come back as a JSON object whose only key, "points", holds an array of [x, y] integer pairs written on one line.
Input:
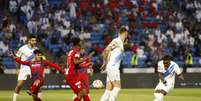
{"points": [[84, 72], [73, 78], [37, 68]]}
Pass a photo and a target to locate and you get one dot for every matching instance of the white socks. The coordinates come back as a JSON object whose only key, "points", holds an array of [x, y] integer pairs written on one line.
{"points": [[114, 93], [15, 96], [158, 97], [106, 95], [40, 95]]}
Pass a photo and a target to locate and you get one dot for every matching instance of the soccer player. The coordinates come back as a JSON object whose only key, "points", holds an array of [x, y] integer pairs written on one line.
{"points": [[112, 56], [37, 66], [167, 70], [25, 53], [84, 72], [73, 78]]}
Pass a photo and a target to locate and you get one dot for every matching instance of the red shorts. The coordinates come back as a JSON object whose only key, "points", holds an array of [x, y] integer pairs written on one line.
{"points": [[84, 79], [76, 84], [35, 88]]}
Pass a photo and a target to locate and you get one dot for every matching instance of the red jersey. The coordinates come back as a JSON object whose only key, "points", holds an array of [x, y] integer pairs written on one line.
{"points": [[72, 55], [37, 67]]}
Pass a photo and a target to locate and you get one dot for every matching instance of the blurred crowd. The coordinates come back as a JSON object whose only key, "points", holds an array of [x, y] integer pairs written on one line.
{"points": [[156, 27]]}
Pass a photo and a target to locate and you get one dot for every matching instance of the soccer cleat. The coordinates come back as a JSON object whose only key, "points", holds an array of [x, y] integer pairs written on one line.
{"points": [[29, 92]]}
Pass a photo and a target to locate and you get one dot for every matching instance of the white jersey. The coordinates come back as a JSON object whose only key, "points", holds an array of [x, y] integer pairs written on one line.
{"points": [[116, 55], [26, 54], [169, 73]]}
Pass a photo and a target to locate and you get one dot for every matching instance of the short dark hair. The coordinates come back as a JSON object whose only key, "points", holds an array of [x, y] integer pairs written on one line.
{"points": [[37, 51], [31, 36], [167, 57], [75, 41], [122, 29]]}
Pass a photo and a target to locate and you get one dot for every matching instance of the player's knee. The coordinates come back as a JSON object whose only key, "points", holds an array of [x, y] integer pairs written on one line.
{"points": [[84, 92], [116, 83], [18, 88]]}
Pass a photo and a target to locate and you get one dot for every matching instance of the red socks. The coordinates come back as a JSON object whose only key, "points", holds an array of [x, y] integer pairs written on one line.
{"points": [[39, 99], [86, 98], [76, 99]]}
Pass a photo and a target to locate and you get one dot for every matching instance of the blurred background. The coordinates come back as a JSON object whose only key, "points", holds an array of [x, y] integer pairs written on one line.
{"points": [[156, 27]]}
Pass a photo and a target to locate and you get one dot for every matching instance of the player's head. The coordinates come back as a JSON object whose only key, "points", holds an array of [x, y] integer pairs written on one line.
{"points": [[123, 32], [32, 40], [76, 42], [38, 54], [166, 61]]}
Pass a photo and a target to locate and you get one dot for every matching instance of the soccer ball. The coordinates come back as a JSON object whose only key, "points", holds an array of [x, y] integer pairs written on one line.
{"points": [[98, 84]]}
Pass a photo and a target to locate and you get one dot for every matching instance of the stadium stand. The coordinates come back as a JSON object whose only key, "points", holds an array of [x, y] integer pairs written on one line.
{"points": [[156, 27]]}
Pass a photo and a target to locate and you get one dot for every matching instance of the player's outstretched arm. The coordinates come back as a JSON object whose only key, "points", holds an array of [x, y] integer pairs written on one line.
{"points": [[105, 54], [78, 61], [180, 76], [12, 55], [55, 66], [18, 60]]}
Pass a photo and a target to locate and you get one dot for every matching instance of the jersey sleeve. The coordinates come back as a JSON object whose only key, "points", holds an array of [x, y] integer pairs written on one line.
{"points": [[177, 69], [19, 52], [48, 63], [160, 68], [18, 60], [113, 44]]}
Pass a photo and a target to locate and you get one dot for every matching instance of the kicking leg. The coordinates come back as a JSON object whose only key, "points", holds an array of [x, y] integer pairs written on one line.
{"points": [[115, 91], [107, 92], [159, 94]]}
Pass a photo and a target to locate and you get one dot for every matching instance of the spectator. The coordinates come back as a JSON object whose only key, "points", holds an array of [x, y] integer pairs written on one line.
{"points": [[3, 48], [134, 60], [13, 6], [32, 26], [72, 5], [27, 10]]}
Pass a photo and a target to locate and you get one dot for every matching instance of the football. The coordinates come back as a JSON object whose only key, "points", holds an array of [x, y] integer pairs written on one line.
{"points": [[97, 84]]}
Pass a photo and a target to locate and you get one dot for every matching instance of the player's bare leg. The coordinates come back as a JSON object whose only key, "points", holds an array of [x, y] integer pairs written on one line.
{"points": [[17, 89], [107, 92], [159, 95], [40, 94], [35, 97], [115, 91]]}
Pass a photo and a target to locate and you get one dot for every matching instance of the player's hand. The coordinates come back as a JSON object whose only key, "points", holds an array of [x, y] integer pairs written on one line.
{"points": [[66, 71], [91, 73], [90, 70], [91, 54], [165, 83], [37, 82], [103, 67], [17, 71], [11, 54]]}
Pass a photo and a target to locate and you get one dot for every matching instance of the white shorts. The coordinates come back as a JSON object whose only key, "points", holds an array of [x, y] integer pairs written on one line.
{"points": [[168, 87], [113, 74], [23, 73]]}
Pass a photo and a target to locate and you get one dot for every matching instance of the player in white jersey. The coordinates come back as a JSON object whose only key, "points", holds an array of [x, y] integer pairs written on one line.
{"points": [[25, 53], [167, 70], [112, 56]]}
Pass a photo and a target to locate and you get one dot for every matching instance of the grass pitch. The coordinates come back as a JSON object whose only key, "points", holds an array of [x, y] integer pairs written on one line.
{"points": [[178, 94]]}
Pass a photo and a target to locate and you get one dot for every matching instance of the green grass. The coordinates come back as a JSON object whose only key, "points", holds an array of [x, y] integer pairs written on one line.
{"points": [[186, 94]]}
